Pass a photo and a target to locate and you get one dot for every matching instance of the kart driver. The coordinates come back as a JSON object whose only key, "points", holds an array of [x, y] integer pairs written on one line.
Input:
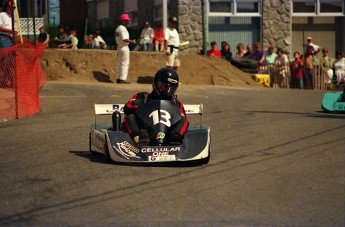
{"points": [[164, 86]]}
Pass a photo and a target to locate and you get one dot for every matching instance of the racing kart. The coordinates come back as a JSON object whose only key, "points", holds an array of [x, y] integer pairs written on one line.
{"points": [[158, 116], [334, 102]]}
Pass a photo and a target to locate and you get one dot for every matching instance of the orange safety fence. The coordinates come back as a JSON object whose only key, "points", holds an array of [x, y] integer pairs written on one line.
{"points": [[21, 80]]}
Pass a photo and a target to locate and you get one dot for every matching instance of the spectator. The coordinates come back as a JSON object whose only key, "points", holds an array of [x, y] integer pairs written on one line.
{"points": [[98, 42], [240, 50], [260, 57], [172, 44], [72, 40], [339, 67], [270, 56], [158, 36], [326, 63], [43, 37], [61, 37], [280, 62], [6, 25], [309, 68], [296, 69], [316, 48], [249, 52], [146, 37], [214, 52], [226, 52], [123, 57]]}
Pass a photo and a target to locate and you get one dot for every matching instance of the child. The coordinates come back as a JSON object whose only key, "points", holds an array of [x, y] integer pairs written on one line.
{"points": [[296, 69]]}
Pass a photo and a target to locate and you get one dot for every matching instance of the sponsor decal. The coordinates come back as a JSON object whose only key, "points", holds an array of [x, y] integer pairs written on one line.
{"points": [[160, 149], [162, 157], [160, 135], [171, 80], [340, 106], [126, 149]]}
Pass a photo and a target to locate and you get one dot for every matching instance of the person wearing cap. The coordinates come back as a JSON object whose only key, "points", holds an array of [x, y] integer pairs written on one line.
{"points": [[122, 41], [309, 43], [6, 24], [146, 37], [171, 44]]}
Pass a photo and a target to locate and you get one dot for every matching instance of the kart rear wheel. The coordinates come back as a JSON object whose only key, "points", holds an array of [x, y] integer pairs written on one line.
{"points": [[207, 159], [90, 149], [106, 152]]}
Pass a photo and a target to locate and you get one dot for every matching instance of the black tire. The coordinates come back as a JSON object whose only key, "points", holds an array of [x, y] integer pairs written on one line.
{"points": [[251, 71], [91, 151], [204, 161], [106, 152], [245, 63]]}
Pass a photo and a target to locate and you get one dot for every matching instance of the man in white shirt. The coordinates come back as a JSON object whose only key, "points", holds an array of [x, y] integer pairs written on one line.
{"points": [[98, 42], [316, 48], [6, 24], [122, 40], [146, 37], [172, 44]]}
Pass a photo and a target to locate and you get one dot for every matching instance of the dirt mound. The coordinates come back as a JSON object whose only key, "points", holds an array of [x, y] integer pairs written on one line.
{"points": [[100, 65]]}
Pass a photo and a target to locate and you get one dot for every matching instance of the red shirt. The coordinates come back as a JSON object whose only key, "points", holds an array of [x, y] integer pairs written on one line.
{"points": [[214, 53], [296, 69], [159, 34]]}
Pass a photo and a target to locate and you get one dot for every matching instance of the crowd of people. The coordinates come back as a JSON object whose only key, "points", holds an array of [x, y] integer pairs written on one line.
{"points": [[300, 72]]}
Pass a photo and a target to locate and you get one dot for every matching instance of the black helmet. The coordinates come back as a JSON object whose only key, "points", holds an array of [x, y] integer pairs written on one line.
{"points": [[165, 82]]}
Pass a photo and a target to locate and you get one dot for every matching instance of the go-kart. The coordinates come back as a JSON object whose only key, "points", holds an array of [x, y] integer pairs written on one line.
{"points": [[158, 116], [334, 102]]}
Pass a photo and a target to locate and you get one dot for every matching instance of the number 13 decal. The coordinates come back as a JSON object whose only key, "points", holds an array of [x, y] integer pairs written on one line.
{"points": [[164, 117]]}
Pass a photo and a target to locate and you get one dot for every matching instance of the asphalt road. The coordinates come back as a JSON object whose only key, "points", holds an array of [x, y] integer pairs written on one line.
{"points": [[277, 160]]}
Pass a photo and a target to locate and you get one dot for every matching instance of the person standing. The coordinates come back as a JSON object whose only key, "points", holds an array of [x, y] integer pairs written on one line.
{"points": [[316, 48], [172, 44], [339, 68], [6, 24], [296, 69], [123, 57]]}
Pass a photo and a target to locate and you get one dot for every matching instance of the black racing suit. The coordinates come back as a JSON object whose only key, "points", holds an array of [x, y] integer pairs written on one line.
{"points": [[133, 125]]}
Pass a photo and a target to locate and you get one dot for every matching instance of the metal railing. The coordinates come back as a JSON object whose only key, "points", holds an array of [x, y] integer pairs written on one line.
{"points": [[27, 25], [280, 77]]}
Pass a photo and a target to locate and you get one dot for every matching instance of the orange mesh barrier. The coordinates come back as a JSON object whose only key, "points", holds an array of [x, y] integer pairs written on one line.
{"points": [[21, 79]]}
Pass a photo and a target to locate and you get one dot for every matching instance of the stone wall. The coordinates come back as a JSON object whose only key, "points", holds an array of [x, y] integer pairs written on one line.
{"points": [[277, 24], [190, 24]]}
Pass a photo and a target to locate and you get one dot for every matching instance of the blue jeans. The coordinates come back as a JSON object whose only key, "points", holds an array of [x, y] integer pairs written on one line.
{"points": [[5, 41]]}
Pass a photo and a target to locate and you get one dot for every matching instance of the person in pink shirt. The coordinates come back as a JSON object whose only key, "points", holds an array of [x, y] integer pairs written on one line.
{"points": [[214, 51], [159, 38]]}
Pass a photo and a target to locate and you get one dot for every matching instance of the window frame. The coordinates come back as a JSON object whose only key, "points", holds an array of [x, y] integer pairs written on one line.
{"points": [[234, 12], [318, 9]]}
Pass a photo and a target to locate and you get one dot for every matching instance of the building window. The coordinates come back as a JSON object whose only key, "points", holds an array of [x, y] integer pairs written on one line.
{"points": [[102, 9], [131, 7], [332, 6], [234, 7], [318, 7]]}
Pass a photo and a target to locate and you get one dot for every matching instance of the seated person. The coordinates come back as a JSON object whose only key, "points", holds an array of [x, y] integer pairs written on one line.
{"points": [[146, 37], [226, 52], [98, 42], [214, 52], [249, 52], [164, 86]]}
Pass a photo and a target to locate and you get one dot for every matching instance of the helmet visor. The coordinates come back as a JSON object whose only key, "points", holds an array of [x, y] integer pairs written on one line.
{"points": [[165, 88]]}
